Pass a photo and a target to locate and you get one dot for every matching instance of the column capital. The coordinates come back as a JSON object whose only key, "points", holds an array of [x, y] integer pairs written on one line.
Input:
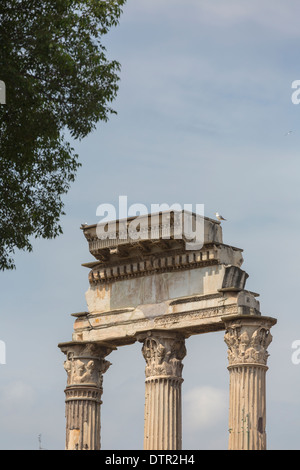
{"points": [[247, 338], [163, 352], [85, 363]]}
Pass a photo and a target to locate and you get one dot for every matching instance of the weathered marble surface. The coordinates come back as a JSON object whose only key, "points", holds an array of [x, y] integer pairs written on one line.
{"points": [[159, 284], [160, 292]]}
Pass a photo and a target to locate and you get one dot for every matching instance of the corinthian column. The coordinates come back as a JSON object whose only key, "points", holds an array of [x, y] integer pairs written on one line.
{"points": [[163, 353], [247, 338], [85, 366]]}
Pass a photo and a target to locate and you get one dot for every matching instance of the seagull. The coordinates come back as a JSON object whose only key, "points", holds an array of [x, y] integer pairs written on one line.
{"points": [[288, 133], [219, 217]]}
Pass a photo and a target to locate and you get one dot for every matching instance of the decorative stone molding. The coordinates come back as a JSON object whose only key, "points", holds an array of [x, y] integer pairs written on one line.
{"points": [[153, 264], [162, 229], [112, 267], [85, 364], [163, 355], [188, 315], [247, 340]]}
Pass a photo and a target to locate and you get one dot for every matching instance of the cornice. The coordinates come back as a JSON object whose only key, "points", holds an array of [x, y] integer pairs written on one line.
{"points": [[153, 264]]}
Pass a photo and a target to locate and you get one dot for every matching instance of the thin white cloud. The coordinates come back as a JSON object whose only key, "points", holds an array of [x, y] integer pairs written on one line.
{"points": [[204, 407]]}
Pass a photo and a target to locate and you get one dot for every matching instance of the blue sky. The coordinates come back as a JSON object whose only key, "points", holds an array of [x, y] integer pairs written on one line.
{"points": [[203, 108]]}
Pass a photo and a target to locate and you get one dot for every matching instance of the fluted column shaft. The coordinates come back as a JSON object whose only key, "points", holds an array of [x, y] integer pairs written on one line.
{"points": [[85, 366], [163, 353], [247, 338]]}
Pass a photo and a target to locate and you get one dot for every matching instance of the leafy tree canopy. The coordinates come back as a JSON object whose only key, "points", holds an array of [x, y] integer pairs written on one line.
{"points": [[58, 79]]}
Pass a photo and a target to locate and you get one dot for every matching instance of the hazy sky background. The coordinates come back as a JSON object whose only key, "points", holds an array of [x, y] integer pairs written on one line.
{"points": [[203, 108]]}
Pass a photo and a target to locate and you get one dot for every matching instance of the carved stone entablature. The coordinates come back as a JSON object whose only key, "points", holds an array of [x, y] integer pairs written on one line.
{"points": [[163, 354], [120, 256], [85, 363], [167, 261], [152, 265], [248, 339], [164, 230]]}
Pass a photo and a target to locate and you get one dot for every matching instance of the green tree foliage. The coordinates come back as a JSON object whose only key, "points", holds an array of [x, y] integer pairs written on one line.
{"points": [[58, 81]]}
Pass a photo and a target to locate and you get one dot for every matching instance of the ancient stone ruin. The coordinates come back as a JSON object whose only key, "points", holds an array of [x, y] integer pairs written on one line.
{"points": [[159, 292]]}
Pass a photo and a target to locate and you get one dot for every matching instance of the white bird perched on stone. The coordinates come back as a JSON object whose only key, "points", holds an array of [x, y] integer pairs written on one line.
{"points": [[219, 217]]}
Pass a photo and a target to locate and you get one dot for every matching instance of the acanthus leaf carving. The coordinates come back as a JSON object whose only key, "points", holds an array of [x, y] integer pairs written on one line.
{"points": [[163, 356], [247, 344], [86, 365]]}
